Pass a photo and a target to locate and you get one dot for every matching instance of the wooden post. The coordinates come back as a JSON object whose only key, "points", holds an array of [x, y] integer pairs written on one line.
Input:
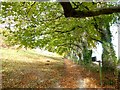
{"points": [[100, 71]]}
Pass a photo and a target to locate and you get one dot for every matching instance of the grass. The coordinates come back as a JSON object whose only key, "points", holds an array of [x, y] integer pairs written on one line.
{"points": [[28, 69]]}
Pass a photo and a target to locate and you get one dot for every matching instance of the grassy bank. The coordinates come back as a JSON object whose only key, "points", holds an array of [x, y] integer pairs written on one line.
{"points": [[28, 69]]}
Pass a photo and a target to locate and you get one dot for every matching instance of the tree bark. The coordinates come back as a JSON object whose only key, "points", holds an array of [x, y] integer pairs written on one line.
{"points": [[71, 12]]}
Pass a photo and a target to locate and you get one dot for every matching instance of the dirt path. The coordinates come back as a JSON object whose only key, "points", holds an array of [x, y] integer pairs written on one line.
{"points": [[73, 77], [26, 69]]}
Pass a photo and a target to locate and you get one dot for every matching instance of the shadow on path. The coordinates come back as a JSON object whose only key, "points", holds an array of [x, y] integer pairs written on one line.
{"points": [[72, 76]]}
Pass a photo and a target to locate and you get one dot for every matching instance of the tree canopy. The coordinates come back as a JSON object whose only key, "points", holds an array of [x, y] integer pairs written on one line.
{"points": [[59, 27]]}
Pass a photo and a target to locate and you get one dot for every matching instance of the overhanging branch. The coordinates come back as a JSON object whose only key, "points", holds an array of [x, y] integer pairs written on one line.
{"points": [[74, 28], [71, 12], [96, 40]]}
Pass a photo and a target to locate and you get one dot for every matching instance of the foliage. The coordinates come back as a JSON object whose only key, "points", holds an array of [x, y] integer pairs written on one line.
{"points": [[43, 25]]}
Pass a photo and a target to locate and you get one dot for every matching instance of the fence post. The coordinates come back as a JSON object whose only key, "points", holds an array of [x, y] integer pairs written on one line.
{"points": [[100, 68]]}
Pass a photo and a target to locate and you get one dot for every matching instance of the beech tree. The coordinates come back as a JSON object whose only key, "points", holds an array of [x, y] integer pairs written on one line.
{"points": [[68, 28], [61, 27]]}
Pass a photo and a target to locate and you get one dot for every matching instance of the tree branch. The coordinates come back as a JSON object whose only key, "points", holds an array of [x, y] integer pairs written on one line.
{"points": [[68, 10], [71, 12], [31, 7], [96, 40], [68, 30], [100, 30]]}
